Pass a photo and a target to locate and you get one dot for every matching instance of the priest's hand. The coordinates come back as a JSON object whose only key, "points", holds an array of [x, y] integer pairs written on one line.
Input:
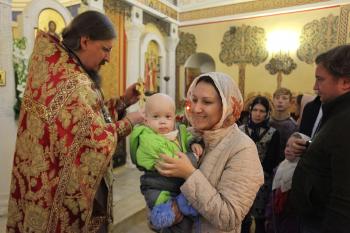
{"points": [[131, 95], [135, 117]]}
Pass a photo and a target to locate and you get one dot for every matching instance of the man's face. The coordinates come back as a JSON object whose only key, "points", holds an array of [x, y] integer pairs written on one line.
{"points": [[95, 53], [281, 102], [327, 86]]}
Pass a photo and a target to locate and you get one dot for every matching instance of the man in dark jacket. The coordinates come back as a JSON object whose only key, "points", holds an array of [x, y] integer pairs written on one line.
{"points": [[309, 119], [321, 182]]}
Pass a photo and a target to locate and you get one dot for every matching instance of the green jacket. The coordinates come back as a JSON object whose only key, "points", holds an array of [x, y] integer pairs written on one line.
{"points": [[146, 145]]}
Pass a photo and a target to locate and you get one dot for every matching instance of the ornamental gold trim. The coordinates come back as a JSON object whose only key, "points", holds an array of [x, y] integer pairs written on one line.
{"points": [[240, 8], [186, 47], [160, 7], [243, 45], [317, 37], [343, 25]]}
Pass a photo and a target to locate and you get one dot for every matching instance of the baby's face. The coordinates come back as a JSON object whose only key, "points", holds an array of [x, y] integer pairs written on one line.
{"points": [[161, 119]]}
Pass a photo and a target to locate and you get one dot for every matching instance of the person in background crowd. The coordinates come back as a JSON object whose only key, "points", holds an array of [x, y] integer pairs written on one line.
{"points": [[304, 100], [281, 119], [267, 140], [279, 214]]}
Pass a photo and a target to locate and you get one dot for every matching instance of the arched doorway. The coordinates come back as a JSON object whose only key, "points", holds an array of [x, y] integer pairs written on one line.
{"points": [[197, 64]]}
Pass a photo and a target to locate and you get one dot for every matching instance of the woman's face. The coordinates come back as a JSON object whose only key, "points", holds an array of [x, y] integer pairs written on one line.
{"points": [[258, 113], [206, 106]]}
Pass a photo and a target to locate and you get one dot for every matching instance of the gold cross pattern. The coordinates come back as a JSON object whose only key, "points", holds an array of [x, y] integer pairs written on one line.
{"points": [[140, 88]]}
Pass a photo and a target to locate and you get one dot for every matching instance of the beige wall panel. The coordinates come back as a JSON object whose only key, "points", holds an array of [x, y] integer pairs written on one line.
{"points": [[258, 79]]}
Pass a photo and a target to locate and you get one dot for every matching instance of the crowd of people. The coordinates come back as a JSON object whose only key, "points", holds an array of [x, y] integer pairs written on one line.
{"points": [[263, 174]]}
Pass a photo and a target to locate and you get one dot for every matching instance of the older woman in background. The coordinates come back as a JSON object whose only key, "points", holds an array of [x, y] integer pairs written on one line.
{"points": [[267, 140]]}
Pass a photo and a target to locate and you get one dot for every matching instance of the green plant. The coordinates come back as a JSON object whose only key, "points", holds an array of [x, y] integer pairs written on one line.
{"points": [[20, 66]]}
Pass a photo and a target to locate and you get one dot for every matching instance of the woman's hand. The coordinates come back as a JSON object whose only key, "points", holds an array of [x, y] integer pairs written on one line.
{"points": [[197, 149], [175, 167]]}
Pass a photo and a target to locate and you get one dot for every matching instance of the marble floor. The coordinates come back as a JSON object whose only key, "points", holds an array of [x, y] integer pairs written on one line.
{"points": [[129, 206]]}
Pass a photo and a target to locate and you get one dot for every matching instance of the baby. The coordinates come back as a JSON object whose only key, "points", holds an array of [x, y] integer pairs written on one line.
{"points": [[158, 136]]}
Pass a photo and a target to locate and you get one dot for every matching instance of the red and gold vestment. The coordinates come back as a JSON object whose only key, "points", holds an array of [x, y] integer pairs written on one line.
{"points": [[64, 146]]}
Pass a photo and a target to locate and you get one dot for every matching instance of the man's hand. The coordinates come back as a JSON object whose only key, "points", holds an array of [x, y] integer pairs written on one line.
{"points": [[131, 95], [135, 117], [298, 146]]}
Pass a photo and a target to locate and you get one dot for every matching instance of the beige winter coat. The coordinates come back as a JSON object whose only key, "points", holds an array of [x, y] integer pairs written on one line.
{"points": [[223, 189]]}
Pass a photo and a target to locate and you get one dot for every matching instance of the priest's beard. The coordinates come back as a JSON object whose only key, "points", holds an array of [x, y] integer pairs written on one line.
{"points": [[95, 77]]}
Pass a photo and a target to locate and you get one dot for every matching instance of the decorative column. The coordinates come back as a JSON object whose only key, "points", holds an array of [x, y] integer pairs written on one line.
{"points": [[7, 100], [134, 29], [171, 43]]}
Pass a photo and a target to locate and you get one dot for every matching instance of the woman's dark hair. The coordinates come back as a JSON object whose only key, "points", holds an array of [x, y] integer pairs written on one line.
{"points": [[260, 100], [209, 80], [92, 24]]}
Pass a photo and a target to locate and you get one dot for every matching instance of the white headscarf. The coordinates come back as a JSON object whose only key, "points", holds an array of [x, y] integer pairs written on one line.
{"points": [[232, 104]]}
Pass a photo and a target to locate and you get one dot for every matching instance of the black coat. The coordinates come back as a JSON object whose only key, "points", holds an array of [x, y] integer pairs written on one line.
{"points": [[321, 182], [309, 116]]}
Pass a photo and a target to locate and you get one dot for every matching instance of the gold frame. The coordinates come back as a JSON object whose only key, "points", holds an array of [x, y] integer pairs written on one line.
{"points": [[2, 78]]}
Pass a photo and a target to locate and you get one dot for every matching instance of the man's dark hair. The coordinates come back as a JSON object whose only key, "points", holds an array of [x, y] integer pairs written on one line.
{"points": [[92, 24], [336, 61]]}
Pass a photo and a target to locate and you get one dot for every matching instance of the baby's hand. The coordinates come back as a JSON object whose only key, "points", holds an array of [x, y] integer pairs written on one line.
{"points": [[197, 149]]}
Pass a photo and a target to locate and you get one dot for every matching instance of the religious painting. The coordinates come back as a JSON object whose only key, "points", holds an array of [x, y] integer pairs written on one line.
{"points": [[2, 78], [152, 61], [51, 21], [190, 75]]}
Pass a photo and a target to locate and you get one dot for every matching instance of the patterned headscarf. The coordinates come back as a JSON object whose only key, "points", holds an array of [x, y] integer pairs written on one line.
{"points": [[232, 101]]}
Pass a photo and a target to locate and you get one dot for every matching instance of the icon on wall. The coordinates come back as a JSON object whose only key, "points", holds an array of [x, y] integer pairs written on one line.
{"points": [[51, 21], [2, 78]]}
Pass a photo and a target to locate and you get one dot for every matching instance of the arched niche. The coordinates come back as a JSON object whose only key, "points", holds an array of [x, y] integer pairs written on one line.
{"points": [[30, 16], [197, 64], [145, 41]]}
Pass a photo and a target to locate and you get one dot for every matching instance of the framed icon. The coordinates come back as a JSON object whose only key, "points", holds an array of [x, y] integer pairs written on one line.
{"points": [[2, 78]]}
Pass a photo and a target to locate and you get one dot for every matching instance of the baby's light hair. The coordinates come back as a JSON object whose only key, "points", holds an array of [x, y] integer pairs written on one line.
{"points": [[153, 98]]}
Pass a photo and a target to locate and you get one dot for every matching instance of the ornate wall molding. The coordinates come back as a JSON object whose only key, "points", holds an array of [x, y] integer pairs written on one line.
{"points": [[186, 47], [163, 26], [343, 35], [245, 7], [318, 36], [117, 7], [160, 7], [243, 45], [280, 63]]}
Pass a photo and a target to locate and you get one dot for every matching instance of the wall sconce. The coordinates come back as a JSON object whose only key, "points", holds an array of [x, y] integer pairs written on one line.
{"points": [[280, 43]]}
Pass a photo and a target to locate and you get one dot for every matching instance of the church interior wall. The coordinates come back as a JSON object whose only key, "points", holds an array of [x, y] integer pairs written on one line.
{"points": [[209, 37], [113, 75]]}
